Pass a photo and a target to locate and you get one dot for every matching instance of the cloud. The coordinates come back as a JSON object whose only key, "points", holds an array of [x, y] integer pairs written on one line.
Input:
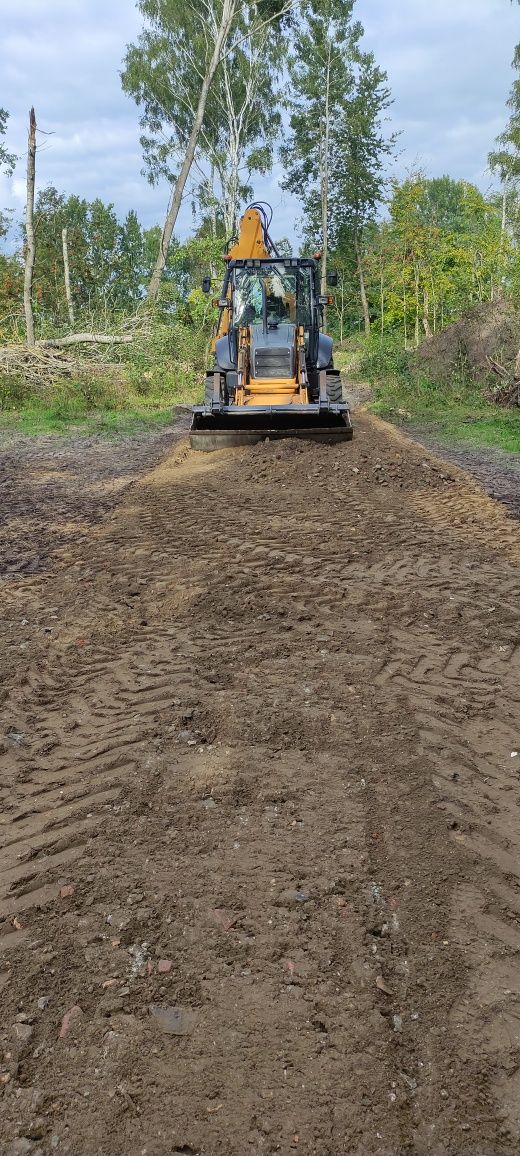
{"points": [[448, 65]]}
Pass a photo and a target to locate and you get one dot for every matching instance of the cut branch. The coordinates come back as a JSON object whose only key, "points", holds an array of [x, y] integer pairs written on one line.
{"points": [[85, 338]]}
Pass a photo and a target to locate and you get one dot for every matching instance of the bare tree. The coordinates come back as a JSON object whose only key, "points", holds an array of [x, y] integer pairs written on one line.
{"points": [[29, 227]]}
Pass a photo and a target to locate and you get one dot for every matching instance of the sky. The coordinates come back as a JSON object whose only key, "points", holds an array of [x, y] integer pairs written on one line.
{"points": [[448, 64]]}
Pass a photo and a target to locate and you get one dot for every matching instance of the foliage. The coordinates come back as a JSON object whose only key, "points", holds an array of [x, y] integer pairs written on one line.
{"points": [[7, 164], [335, 154], [505, 158], [164, 72], [439, 251], [453, 411], [106, 257]]}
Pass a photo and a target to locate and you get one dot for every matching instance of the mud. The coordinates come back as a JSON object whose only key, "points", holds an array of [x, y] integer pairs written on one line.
{"points": [[259, 870]]}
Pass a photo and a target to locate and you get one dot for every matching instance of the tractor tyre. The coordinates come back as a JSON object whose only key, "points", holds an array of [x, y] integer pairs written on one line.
{"points": [[334, 388]]}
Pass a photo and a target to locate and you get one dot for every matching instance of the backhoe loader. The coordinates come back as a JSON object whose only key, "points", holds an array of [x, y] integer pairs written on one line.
{"points": [[273, 375]]}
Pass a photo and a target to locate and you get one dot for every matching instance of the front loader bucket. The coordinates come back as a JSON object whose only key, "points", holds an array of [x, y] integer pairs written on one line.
{"points": [[238, 425]]}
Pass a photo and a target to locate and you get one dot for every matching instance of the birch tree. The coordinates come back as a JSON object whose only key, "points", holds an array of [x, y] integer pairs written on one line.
{"points": [[335, 154], [29, 230], [505, 158], [170, 73], [243, 117], [320, 67]]}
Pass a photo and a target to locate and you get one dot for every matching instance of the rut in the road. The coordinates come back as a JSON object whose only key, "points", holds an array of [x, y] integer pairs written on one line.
{"points": [[279, 719]]}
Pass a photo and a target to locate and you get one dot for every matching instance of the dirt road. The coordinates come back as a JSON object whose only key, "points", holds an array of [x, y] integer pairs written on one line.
{"points": [[260, 781]]}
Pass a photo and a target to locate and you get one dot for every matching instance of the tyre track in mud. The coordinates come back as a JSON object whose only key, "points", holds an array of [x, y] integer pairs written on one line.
{"points": [[321, 643]]}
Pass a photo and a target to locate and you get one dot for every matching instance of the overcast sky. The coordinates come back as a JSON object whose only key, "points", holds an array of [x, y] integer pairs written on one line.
{"points": [[448, 65]]}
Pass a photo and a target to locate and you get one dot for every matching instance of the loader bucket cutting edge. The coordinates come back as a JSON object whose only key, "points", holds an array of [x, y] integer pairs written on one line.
{"points": [[221, 430]]}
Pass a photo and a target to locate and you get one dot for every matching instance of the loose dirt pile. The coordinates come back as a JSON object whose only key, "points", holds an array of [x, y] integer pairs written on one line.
{"points": [[260, 785], [490, 331]]}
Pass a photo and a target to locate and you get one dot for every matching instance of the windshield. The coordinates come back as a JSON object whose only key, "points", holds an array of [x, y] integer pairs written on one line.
{"points": [[287, 295]]}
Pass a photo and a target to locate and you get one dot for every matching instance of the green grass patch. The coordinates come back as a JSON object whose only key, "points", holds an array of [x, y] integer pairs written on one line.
{"points": [[454, 411], [495, 430], [111, 406]]}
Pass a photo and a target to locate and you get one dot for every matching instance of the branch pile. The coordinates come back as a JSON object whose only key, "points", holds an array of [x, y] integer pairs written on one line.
{"points": [[507, 390], [53, 358]]}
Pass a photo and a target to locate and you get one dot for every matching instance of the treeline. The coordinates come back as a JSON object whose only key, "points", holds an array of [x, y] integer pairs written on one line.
{"points": [[212, 79], [442, 247]]}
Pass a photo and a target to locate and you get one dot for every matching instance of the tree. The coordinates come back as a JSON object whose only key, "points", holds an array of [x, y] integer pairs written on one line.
{"points": [[29, 229], [106, 257], [360, 148], [243, 118], [7, 163], [505, 159], [438, 253], [321, 81], [170, 73], [336, 150]]}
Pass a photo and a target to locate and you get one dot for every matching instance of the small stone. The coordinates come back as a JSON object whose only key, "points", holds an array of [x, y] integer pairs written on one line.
{"points": [[209, 804], [67, 891], [119, 919], [23, 1033], [19, 1147], [224, 917], [175, 1021], [164, 966], [43, 1002], [74, 1014], [36, 1129]]}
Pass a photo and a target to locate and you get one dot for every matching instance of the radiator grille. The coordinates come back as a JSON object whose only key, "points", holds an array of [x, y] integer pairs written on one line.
{"points": [[273, 362]]}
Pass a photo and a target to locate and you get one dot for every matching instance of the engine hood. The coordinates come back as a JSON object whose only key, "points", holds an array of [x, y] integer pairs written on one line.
{"points": [[272, 353]]}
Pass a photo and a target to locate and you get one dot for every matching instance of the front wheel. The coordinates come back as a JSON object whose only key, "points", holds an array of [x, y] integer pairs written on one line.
{"points": [[334, 388], [208, 389]]}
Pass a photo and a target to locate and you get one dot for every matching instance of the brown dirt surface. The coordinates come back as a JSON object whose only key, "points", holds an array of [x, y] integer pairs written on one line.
{"points": [[498, 471], [490, 330], [259, 865]]}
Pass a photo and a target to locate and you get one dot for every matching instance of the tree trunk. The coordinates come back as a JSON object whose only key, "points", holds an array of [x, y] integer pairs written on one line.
{"points": [[67, 275], [504, 210], [228, 12], [426, 310], [83, 339], [362, 290], [29, 226], [325, 182]]}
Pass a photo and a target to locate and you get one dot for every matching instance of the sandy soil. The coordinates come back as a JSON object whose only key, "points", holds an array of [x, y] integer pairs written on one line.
{"points": [[260, 829]]}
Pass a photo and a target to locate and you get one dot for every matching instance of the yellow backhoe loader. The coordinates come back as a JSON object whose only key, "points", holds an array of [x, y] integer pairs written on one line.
{"points": [[273, 374]]}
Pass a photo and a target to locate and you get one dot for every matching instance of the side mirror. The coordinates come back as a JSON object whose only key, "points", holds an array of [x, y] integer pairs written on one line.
{"points": [[332, 277], [206, 285]]}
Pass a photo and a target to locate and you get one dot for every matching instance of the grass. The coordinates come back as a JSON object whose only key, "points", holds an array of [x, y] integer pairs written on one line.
{"points": [[106, 407], [454, 411]]}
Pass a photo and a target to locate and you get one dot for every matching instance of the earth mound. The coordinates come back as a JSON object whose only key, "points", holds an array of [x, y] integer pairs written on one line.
{"points": [[486, 333]]}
